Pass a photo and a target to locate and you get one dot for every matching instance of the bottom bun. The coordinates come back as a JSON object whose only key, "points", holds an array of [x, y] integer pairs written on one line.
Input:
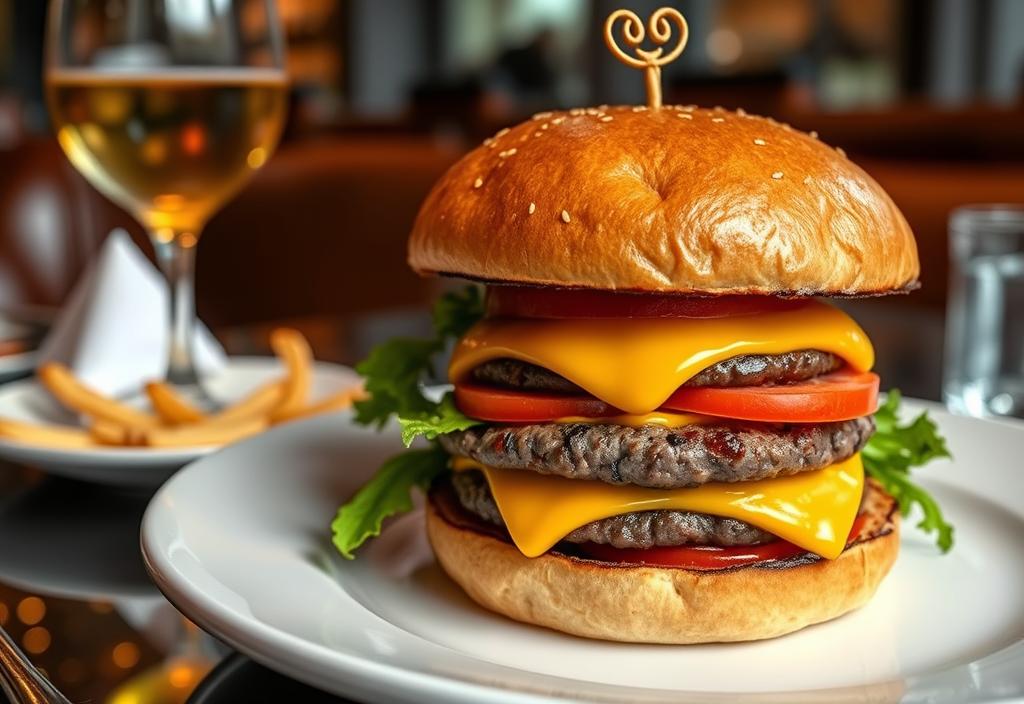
{"points": [[659, 604]]}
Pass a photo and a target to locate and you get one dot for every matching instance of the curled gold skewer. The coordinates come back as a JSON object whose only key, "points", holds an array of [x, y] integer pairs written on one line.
{"points": [[659, 26]]}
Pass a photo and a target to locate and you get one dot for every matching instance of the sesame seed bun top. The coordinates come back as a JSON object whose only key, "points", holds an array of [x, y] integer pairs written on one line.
{"points": [[680, 200]]}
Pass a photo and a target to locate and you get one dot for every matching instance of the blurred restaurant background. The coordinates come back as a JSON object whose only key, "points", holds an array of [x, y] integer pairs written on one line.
{"points": [[926, 95]]}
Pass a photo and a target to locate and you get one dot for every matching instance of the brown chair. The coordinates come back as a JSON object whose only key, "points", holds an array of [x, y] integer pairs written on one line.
{"points": [[48, 227], [321, 230], [927, 192]]}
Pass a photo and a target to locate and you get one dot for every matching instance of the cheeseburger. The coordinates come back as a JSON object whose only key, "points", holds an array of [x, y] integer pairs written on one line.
{"points": [[658, 428]]}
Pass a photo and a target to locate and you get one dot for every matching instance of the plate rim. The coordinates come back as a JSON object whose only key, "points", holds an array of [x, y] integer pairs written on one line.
{"points": [[256, 639], [101, 464]]}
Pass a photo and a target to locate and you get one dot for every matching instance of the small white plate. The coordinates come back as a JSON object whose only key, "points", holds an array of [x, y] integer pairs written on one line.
{"points": [[28, 401], [13, 366], [240, 543]]}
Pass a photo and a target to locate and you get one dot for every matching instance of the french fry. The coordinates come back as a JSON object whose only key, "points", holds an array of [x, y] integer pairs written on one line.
{"points": [[170, 406], [259, 403], [193, 435], [46, 435], [177, 422], [335, 402], [106, 432], [291, 347], [78, 397], [202, 434]]}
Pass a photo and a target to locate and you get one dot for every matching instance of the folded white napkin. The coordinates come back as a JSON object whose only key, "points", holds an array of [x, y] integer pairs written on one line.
{"points": [[113, 330]]}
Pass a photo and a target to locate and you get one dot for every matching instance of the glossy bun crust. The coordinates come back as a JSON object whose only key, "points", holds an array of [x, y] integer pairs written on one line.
{"points": [[677, 200], [660, 605]]}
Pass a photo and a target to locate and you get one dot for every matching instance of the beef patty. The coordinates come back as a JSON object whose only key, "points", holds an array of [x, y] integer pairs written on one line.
{"points": [[643, 529], [662, 458], [744, 370]]}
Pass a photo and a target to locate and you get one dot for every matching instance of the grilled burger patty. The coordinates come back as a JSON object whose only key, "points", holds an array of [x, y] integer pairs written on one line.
{"points": [[744, 370], [662, 458], [643, 529]]}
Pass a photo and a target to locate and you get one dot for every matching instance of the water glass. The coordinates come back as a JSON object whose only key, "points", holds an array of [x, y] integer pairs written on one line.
{"points": [[984, 362]]}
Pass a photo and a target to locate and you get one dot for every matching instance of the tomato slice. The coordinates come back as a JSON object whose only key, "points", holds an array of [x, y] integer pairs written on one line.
{"points": [[546, 302], [705, 557], [501, 405], [841, 395]]}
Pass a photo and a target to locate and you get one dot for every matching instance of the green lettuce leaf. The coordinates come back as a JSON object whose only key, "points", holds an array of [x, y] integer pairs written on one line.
{"points": [[894, 450], [446, 418], [394, 374], [395, 370], [457, 311], [389, 492]]}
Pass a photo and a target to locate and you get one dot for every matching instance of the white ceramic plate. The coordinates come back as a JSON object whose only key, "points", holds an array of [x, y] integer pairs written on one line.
{"points": [[239, 542], [20, 364], [28, 401], [13, 366]]}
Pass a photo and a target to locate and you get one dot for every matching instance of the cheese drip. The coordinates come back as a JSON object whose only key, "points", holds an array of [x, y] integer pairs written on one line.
{"points": [[814, 510], [635, 364], [662, 419]]}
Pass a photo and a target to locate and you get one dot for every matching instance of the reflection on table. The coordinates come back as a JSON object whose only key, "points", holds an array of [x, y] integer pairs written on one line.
{"points": [[75, 596]]}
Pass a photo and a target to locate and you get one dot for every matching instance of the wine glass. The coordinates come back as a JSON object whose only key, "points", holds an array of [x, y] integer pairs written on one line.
{"points": [[168, 107]]}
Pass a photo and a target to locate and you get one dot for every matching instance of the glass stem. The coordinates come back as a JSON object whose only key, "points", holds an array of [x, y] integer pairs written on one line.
{"points": [[176, 255]]}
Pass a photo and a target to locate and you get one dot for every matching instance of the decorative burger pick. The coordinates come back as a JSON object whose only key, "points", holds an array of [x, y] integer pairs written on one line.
{"points": [[658, 431]]}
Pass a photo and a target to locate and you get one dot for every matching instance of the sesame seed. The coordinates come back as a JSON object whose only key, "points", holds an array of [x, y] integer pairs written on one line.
{"points": [[545, 126], [719, 108], [741, 112], [524, 138], [639, 108], [542, 116], [689, 108], [479, 182], [558, 121], [718, 119], [488, 142], [807, 180], [760, 142], [502, 132], [565, 216], [576, 112], [777, 175], [537, 134], [602, 106], [606, 118], [685, 116], [841, 152], [813, 134], [533, 207], [507, 153]]}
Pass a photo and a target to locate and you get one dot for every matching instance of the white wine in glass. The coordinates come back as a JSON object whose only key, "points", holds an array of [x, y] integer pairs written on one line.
{"points": [[167, 108]]}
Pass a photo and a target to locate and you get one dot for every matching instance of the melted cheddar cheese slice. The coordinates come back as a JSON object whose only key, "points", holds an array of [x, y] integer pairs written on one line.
{"points": [[635, 364], [814, 510]]}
